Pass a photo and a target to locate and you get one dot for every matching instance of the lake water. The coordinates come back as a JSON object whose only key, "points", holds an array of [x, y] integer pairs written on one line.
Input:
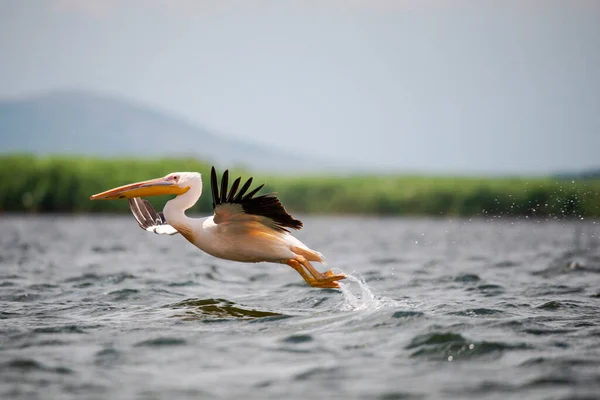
{"points": [[96, 308]]}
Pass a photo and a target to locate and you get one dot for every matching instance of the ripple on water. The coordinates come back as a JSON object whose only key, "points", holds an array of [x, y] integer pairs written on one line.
{"points": [[506, 264], [584, 324], [216, 309], [534, 327], [60, 329], [452, 346], [106, 357], [11, 276], [109, 249], [467, 278], [408, 314], [84, 277], [324, 373], [24, 365], [21, 297], [547, 331], [400, 396], [556, 305], [561, 362], [489, 290], [258, 277], [552, 290], [568, 267], [161, 342], [386, 261], [298, 338], [8, 315], [270, 319], [94, 278], [42, 287], [184, 283], [486, 388], [478, 312], [551, 380], [42, 343], [123, 294], [213, 274]]}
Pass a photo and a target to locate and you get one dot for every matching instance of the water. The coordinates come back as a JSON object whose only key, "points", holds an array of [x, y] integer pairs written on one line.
{"points": [[95, 308]]}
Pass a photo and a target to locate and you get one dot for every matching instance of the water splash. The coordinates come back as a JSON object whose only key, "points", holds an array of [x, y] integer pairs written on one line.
{"points": [[365, 299]]}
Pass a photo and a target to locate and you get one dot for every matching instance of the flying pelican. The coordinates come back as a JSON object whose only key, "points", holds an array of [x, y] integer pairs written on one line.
{"points": [[243, 228]]}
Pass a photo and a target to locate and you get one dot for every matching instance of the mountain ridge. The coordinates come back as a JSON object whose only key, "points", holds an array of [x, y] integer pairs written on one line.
{"points": [[97, 124]]}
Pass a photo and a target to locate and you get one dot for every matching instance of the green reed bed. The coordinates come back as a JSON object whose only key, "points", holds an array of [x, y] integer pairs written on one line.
{"points": [[64, 184]]}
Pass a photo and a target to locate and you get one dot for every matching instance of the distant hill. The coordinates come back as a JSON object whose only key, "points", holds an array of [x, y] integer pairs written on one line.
{"points": [[84, 123]]}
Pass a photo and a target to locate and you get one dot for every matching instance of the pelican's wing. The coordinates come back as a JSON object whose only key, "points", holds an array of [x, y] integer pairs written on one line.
{"points": [[233, 205], [148, 219]]}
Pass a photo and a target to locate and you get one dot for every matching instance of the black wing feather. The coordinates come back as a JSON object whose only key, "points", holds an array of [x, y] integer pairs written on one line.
{"points": [[267, 205], [252, 193], [242, 191], [224, 184], [234, 189], [214, 184]]}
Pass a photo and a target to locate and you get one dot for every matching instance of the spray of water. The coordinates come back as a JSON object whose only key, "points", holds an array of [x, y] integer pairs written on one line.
{"points": [[364, 299]]}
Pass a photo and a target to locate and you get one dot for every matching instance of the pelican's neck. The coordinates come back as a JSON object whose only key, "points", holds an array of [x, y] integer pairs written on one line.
{"points": [[175, 209]]}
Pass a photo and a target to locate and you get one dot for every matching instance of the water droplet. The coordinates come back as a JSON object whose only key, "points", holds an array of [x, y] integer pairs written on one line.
{"points": [[450, 358]]}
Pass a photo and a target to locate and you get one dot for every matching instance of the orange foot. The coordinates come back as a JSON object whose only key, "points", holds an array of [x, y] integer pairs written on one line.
{"points": [[327, 280], [321, 280]]}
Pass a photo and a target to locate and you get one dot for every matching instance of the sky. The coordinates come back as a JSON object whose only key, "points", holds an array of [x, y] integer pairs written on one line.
{"points": [[502, 87]]}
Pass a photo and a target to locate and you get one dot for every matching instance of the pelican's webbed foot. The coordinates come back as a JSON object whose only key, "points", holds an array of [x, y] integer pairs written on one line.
{"points": [[315, 278]]}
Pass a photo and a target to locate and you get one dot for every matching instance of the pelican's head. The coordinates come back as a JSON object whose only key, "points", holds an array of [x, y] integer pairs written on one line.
{"points": [[175, 183]]}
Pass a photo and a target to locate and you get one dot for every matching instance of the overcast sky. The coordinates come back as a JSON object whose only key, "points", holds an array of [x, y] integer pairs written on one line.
{"points": [[436, 86]]}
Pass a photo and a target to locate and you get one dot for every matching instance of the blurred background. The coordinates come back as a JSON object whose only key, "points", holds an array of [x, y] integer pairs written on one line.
{"points": [[379, 107]]}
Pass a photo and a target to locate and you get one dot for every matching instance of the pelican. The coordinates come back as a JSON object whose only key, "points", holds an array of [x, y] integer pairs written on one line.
{"points": [[243, 227]]}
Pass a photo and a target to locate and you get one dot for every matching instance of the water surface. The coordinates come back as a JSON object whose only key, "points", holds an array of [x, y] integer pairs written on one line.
{"points": [[95, 308]]}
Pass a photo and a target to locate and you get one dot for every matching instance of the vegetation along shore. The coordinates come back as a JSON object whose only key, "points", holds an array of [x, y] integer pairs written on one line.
{"points": [[63, 184]]}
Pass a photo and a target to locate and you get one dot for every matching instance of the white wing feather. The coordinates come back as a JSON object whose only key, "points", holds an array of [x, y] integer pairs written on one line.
{"points": [[162, 229], [148, 219]]}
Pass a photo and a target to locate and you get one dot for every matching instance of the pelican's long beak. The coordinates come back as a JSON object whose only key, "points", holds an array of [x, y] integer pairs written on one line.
{"points": [[153, 187]]}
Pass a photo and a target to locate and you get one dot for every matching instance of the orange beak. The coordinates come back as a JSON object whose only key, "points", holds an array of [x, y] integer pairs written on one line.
{"points": [[153, 187]]}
